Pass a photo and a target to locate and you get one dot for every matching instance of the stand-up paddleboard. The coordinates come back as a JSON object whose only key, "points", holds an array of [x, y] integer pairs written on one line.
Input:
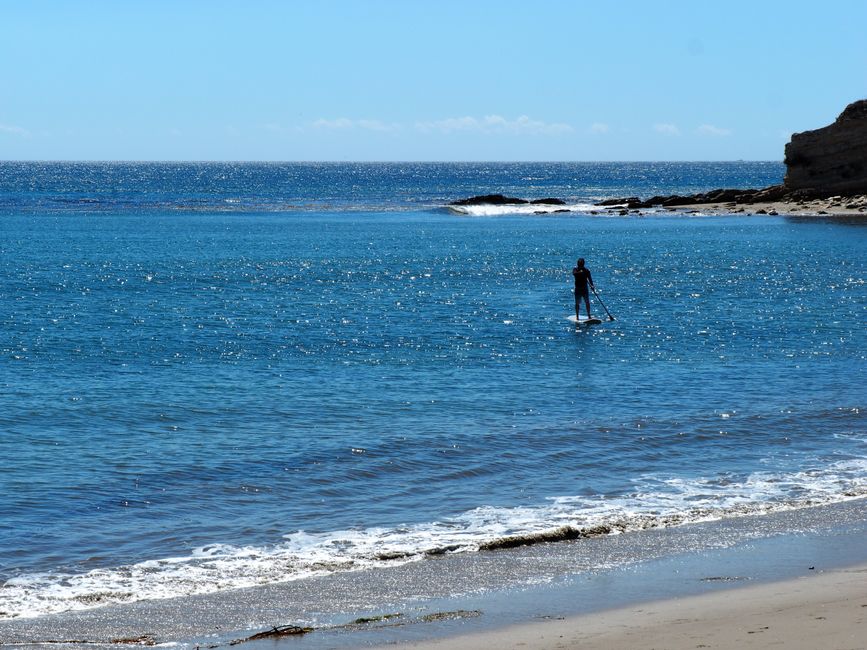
{"points": [[584, 320]]}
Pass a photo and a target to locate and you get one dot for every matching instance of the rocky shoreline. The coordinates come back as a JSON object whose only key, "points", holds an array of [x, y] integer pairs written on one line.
{"points": [[767, 201], [826, 174]]}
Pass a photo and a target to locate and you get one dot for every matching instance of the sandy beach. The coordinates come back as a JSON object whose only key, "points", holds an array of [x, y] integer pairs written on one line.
{"points": [[825, 610], [834, 206]]}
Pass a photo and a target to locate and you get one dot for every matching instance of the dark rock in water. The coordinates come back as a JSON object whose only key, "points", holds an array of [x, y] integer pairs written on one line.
{"points": [[548, 201], [500, 199], [490, 199], [833, 159], [618, 202]]}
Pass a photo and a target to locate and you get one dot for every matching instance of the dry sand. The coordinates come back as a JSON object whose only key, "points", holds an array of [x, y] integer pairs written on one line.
{"points": [[826, 611], [835, 206]]}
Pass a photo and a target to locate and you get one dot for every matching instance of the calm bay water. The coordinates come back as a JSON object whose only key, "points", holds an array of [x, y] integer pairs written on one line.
{"points": [[224, 375]]}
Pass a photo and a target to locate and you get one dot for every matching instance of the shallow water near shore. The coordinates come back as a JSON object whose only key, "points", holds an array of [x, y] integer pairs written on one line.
{"points": [[466, 593], [202, 400]]}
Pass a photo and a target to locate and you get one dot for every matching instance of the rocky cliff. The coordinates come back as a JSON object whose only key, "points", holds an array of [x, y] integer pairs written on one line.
{"points": [[833, 159]]}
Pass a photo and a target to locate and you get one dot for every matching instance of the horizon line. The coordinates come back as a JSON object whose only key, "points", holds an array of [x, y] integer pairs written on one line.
{"points": [[368, 162]]}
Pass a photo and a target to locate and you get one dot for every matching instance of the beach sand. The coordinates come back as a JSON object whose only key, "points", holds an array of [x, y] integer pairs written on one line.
{"points": [[835, 206], [825, 610], [832, 207]]}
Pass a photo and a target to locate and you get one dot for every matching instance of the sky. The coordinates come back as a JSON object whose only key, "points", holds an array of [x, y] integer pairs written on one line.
{"points": [[416, 80]]}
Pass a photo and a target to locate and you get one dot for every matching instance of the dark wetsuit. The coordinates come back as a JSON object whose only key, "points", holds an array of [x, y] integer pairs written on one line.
{"points": [[582, 279]]}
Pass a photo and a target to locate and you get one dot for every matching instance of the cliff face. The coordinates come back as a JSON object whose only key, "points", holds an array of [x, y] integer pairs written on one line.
{"points": [[833, 159]]}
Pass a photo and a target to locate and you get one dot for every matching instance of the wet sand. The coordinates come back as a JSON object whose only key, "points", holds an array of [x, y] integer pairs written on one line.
{"points": [[824, 610]]}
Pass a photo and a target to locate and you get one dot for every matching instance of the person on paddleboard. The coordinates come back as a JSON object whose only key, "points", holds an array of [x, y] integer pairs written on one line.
{"points": [[583, 283]]}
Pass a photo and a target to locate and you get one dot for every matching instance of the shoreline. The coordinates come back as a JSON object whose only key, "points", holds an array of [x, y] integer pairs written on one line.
{"points": [[716, 203], [482, 595], [830, 208], [827, 609]]}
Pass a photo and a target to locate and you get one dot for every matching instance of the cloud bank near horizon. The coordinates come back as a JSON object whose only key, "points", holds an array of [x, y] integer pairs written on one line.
{"points": [[489, 125]]}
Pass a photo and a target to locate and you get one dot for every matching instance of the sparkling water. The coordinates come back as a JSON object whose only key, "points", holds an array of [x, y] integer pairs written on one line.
{"points": [[222, 375]]}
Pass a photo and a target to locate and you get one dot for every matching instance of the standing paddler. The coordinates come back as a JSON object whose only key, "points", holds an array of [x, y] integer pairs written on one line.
{"points": [[583, 284]]}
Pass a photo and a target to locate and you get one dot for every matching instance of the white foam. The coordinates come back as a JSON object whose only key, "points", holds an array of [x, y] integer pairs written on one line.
{"points": [[654, 502], [488, 210]]}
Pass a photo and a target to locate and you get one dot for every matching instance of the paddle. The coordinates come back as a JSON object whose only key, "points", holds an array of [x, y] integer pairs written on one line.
{"points": [[610, 317]]}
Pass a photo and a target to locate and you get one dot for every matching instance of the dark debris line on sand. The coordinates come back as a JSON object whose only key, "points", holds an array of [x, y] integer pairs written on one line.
{"points": [[381, 621], [275, 632], [385, 620]]}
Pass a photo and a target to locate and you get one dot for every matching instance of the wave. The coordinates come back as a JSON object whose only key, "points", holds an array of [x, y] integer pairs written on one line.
{"points": [[492, 210], [653, 503]]}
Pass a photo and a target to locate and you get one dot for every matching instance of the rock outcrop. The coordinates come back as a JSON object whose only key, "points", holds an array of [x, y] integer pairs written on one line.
{"points": [[772, 193], [499, 199], [828, 163], [490, 199], [833, 159]]}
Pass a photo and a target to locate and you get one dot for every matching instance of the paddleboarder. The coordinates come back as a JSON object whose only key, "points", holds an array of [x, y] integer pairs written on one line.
{"points": [[583, 278]]}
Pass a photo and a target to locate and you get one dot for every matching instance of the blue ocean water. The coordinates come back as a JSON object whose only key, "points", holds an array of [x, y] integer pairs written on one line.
{"points": [[220, 375]]}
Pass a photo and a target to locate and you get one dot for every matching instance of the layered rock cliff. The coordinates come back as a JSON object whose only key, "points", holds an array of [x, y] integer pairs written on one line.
{"points": [[833, 159]]}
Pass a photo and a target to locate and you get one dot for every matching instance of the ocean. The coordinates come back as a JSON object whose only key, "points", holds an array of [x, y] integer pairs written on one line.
{"points": [[227, 375]]}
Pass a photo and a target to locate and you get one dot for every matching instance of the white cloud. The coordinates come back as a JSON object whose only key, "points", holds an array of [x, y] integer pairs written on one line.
{"points": [[489, 124], [666, 129], [376, 125], [11, 129], [710, 129], [279, 129], [339, 123], [521, 125], [598, 127], [344, 123], [450, 124]]}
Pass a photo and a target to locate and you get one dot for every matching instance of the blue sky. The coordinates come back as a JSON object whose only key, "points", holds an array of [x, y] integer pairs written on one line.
{"points": [[423, 79]]}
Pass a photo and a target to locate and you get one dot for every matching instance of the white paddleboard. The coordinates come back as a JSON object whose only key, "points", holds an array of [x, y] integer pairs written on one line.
{"points": [[583, 320]]}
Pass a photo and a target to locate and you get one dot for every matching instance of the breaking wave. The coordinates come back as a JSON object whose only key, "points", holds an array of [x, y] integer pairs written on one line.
{"points": [[653, 503], [491, 210]]}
